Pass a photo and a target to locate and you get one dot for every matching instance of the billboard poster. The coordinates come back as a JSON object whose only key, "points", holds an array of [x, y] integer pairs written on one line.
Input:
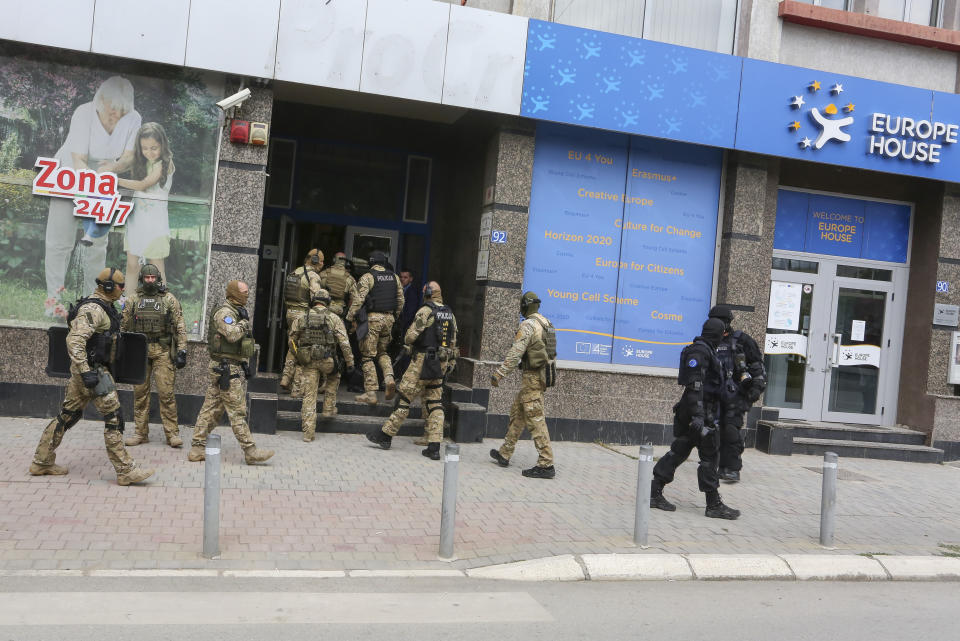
{"points": [[621, 243], [102, 165]]}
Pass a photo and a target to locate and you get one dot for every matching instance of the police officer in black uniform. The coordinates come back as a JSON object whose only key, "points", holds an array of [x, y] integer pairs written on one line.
{"points": [[695, 423], [746, 379]]}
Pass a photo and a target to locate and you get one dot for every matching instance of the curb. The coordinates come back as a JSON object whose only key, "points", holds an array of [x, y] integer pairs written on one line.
{"points": [[607, 567]]}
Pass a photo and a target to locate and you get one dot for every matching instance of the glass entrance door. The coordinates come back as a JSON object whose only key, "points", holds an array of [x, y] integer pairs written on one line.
{"points": [[832, 345], [360, 242]]}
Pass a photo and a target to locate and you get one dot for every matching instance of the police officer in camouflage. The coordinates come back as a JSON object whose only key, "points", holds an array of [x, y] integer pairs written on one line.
{"points": [[695, 423], [92, 342], [230, 343], [299, 286], [746, 381], [155, 312], [314, 340], [431, 340], [341, 285], [379, 291], [534, 349]]}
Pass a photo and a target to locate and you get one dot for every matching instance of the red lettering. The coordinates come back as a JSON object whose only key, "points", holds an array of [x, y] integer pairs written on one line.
{"points": [[108, 184], [87, 177], [124, 209], [43, 179], [66, 179]]}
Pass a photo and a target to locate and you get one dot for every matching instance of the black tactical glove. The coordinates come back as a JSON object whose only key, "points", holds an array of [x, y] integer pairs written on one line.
{"points": [[90, 379], [697, 426], [181, 360], [243, 313], [246, 369]]}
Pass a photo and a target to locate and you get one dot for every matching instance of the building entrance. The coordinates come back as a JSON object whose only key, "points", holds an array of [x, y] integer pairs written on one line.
{"points": [[833, 339]]}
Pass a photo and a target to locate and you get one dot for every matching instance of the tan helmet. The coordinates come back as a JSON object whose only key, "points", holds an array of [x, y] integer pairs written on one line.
{"points": [[110, 282], [235, 295], [314, 259], [320, 297]]}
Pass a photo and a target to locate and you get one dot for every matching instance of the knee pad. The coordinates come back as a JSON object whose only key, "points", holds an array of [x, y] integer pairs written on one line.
{"points": [[434, 406], [108, 420], [68, 418]]}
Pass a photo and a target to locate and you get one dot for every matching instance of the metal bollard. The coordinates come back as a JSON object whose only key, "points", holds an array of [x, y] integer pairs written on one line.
{"points": [[644, 476], [828, 501], [211, 498], [448, 510]]}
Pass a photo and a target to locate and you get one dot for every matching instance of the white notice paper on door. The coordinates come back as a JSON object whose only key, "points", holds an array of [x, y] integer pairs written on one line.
{"points": [[856, 330], [784, 305]]}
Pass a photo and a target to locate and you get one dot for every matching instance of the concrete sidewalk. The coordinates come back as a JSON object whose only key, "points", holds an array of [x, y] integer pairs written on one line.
{"points": [[341, 504]]}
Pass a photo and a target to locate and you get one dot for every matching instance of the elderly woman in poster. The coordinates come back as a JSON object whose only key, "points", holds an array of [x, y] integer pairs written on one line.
{"points": [[102, 137]]}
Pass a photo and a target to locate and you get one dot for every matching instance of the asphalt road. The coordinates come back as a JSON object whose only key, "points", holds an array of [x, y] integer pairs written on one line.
{"points": [[185, 609]]}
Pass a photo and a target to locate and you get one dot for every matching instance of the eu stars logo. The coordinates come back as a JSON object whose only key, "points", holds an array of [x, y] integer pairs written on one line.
{"points": [[830, 127]]}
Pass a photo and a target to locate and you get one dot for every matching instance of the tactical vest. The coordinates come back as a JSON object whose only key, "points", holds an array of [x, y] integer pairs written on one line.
{"points": [[296, 287], [100, 346], [219, 347], [383, 294], [336, 282], [317, 341], [542, 351], [151, 316], [436, 342]]}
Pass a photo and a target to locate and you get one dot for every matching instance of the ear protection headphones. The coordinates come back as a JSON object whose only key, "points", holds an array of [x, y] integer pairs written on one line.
{"points": [[314, 259], [108, 284], [428, 291]]}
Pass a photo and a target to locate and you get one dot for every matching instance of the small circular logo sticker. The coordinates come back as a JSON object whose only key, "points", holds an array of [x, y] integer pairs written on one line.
{"points": [[807, 289]]}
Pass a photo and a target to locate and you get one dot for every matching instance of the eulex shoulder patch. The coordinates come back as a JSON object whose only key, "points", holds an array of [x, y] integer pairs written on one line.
{"points": [[228, 320], [692, 362]]}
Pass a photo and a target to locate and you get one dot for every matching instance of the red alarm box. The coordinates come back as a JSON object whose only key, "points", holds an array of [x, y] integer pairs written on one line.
{"points": [[240, 131]]}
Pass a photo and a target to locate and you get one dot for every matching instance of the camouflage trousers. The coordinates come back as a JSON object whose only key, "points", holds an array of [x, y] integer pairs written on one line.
{"points": [[374, 348], [76, 399], [527, 413], [411, 387], [291, 368], [233, 401], [316, 378], [159, 368]]}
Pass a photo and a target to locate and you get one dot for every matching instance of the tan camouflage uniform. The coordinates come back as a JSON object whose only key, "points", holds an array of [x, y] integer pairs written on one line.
{"points": [[339, 305], [374, 346], [233, 401], [527, 410], [91, 319], [159, 366], [310, 381], [291, 369], [411, 386]]}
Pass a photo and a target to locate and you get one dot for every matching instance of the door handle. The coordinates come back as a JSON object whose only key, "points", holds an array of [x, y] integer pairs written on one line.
{"points": [[835, 351]]}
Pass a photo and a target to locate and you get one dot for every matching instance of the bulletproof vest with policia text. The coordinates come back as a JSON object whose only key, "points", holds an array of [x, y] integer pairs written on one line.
{"points": [[383, 295], [542, 352], [100, 346], [436, 342], [296, 287], [220, 347], [317, 341], [151, 316], [337, 282]]}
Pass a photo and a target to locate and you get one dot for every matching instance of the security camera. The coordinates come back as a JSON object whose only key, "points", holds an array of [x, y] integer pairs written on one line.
{"points": [[235, 100]]}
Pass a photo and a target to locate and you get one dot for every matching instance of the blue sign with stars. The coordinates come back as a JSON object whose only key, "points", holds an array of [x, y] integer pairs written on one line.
{"points": [[837, 226], [607, 81]]}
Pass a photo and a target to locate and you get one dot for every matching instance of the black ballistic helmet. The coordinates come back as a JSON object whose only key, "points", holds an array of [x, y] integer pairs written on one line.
{"points": [[712, 330], [377, 258], [722, 312]]}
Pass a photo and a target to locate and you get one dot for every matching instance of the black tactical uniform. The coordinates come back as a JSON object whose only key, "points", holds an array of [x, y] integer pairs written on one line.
{"points": [[745, 382], [695, 423]]}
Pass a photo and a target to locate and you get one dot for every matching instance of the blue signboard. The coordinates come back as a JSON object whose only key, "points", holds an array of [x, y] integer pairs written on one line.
{"points": [[620, 243], [596, 79], [838, 226], [844, 120]]}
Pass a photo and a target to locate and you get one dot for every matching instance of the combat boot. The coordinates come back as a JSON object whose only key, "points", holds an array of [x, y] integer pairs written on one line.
{"points": [[42, 470], [196, 454], [175, 441], [329, 412], [537, 472], [308, 437], [135, 475], [370, 398], [391, 390], [421, 441], [716, 509], [498, 457], [731, 476], [256, 455], [657, 500], [136, 439], [432, 451], [378, 437]]}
